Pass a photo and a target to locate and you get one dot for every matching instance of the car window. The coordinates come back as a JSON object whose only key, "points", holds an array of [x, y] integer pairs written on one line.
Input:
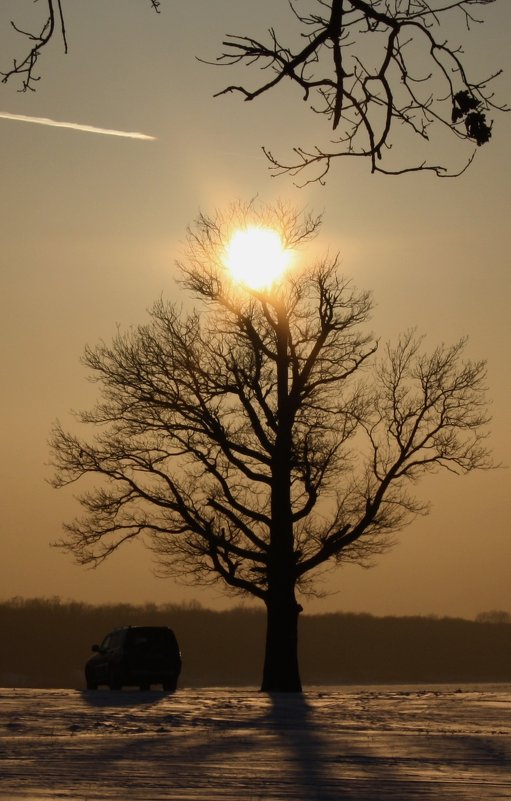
{"points": [[116, 639]]}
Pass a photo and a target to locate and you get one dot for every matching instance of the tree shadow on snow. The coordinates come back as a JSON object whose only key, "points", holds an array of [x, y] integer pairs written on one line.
{"points": [[298, 759], [291, 717]]}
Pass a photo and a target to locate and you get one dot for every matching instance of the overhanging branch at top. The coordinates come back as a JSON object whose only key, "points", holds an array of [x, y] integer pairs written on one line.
{"points": [[373, 68]]}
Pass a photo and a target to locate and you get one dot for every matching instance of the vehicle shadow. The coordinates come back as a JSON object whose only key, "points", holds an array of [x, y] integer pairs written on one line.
{"points": [[119, 699]]}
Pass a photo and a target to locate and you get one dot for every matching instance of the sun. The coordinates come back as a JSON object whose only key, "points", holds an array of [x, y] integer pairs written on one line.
{"points": [[256, 257]]}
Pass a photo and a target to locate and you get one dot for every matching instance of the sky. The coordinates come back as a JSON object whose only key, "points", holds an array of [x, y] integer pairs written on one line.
{"points": [[92, 224]]}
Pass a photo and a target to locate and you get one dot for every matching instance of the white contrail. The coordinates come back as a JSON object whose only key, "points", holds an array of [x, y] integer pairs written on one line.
{"points": [[75, 126]]}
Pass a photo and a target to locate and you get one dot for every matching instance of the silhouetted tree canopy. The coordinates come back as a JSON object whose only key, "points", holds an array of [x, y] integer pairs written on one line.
{"points": [[259, 438], [382, 72]]}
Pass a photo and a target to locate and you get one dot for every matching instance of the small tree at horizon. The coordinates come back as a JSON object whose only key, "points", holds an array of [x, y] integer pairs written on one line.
{"points": [[260, 437]]}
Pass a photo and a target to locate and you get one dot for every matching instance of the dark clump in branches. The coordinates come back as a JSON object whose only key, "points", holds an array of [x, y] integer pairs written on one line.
{"points": [[371, 67], [467, 108], [260, 439]]}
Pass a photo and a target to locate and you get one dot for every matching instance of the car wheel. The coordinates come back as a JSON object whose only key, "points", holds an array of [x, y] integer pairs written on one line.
{"points": [[169, 686]]}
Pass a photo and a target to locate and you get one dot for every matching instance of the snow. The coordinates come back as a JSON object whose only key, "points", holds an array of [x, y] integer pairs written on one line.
{"points": [[217, 744]]}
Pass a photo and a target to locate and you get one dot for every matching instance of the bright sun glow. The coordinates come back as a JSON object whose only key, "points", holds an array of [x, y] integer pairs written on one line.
{"points": [[256, 257]]}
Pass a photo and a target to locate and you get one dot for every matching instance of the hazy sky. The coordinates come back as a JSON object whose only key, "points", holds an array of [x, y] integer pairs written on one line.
{"points": [[91, 225]]}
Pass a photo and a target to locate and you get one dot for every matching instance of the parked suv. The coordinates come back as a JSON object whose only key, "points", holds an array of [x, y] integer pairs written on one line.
{"points": [[135, 655]]}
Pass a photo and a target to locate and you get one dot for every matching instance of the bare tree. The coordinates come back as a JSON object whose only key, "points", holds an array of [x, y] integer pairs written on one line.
{"points": [[373, 68], [259, 438]]}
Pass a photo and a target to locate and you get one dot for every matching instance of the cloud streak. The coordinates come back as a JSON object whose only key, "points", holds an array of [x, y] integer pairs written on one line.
{"points": [[75, 126]]}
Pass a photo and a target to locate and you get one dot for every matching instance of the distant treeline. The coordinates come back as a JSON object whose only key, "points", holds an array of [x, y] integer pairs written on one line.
{"points": [[45, 643]]}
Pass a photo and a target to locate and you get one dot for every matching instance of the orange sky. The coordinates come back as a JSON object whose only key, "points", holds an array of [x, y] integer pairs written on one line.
{"points": [[91, 226]]}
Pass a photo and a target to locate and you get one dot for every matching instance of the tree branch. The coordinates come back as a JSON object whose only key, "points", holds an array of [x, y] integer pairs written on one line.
{"points": [[364, 100]]}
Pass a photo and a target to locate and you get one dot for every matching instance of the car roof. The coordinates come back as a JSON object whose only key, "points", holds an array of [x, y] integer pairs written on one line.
{"points": [[141, 628]]}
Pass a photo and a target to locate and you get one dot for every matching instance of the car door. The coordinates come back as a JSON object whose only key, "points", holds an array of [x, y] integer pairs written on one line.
{"points": [[101, 660]]}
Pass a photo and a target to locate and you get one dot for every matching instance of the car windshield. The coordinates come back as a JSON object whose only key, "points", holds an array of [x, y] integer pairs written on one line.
{"points": [[113, 640]]}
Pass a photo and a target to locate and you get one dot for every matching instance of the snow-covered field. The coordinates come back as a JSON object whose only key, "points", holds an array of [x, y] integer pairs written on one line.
{"points": [[342, 744]]}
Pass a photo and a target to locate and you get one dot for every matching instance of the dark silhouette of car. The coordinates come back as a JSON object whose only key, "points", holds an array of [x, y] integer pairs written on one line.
{"points": [[135, 656]]}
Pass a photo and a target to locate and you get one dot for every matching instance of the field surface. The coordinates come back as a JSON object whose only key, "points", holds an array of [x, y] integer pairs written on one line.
{"points": [[332, 744]]}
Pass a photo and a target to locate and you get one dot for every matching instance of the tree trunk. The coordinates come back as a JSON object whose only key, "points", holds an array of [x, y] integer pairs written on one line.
{"points": [[281, 672]]}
